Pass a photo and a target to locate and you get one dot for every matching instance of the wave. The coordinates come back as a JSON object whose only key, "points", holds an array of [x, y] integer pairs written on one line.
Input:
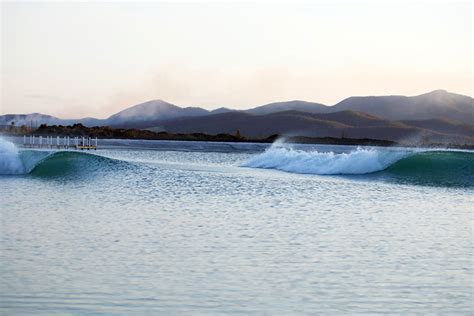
{"points": [[44, 163], [444, 168], [10, 162], [359, 161], [424, 166]]}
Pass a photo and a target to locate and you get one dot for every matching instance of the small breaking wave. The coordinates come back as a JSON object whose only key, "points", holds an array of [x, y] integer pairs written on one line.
{"points": [[43, 163]]}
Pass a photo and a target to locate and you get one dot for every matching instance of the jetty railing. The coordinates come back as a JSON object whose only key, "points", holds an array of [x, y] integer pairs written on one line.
{"points": [[65, 142]]}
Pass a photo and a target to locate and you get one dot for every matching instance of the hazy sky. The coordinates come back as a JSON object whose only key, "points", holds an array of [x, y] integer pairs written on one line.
{"points": [[94, 59]]}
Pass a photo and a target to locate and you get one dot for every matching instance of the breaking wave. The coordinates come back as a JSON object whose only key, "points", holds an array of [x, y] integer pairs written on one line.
{"points": [[10, 162], [438, 167], [45, 163], [360, 161]]}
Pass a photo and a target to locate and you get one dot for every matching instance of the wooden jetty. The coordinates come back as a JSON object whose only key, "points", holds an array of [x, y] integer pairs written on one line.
{"points": [[65, 142]]}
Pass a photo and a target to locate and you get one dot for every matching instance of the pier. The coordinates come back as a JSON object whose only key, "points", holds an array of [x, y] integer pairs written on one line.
{"points": [[65, 142]]}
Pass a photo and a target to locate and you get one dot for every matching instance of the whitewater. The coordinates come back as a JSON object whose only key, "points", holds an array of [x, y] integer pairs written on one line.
{"points": [[279, 156], [455, 165], [282, 156], [162, 227]]}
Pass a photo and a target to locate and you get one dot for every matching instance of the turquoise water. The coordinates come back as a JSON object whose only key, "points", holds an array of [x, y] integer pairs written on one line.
{"points": [[148, 227]]}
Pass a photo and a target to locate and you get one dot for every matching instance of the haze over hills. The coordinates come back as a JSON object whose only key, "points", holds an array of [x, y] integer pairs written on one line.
{"points": [[151, 112], [140, 115], [438, 114]]}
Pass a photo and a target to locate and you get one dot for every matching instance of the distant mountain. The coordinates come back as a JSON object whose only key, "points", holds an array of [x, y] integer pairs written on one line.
{"points": [[221, 110], [296, 105], [289, 122], [138, 116], [438, 104], [442, 126], [36, 119], [345, 123], [149, 113], [438, 113], [33, 119]]}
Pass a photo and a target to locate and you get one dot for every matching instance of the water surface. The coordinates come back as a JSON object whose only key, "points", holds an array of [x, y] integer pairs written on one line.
{"points": [[209, 228]]}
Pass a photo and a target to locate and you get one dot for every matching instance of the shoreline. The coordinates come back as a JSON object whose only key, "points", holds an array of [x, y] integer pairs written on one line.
{"points": [[101, 132], [301, 140]]}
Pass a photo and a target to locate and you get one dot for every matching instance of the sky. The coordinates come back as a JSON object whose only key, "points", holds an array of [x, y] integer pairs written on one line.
{"points": [[81, 59]]}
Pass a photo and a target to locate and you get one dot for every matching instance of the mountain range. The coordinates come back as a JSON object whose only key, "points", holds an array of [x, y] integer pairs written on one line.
{"points": [[439, 116]]}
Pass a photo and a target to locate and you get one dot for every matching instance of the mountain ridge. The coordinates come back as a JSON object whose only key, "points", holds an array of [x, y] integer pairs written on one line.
{"points": [[338, 124], [390, 116], [434, 104]]}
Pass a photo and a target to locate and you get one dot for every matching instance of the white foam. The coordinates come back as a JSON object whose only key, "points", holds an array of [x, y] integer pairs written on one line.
{"points": [[10, 161], [360, 161]]}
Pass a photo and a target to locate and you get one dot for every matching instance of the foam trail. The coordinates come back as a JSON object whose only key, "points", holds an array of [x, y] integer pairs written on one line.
{"points": [[359, 161], [10, 161]]}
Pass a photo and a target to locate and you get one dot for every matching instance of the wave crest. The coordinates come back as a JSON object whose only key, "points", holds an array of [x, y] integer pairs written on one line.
{"points": [[359, 161], [45, 163], [414, 166]]}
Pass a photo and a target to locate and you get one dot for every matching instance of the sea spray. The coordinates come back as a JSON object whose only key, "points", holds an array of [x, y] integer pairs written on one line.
{"points": [[10, 161], [360, 161]]}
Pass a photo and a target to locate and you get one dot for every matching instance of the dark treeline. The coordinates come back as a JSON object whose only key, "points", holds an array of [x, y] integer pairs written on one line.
{"points": [[106, 132], [120, 133]]}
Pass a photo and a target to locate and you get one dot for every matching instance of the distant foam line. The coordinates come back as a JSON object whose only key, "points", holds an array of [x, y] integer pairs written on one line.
{"points": [[360, 161]]}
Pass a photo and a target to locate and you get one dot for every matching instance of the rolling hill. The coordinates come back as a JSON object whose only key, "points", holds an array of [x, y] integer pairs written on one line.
{"points": [[349, 124], [438, 104]]}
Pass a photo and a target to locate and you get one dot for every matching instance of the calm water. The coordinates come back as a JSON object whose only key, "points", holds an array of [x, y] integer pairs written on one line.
{"points": [[196, 228]]}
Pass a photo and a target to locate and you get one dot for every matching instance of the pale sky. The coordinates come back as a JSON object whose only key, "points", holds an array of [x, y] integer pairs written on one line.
{"points": [[93, 59]]}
